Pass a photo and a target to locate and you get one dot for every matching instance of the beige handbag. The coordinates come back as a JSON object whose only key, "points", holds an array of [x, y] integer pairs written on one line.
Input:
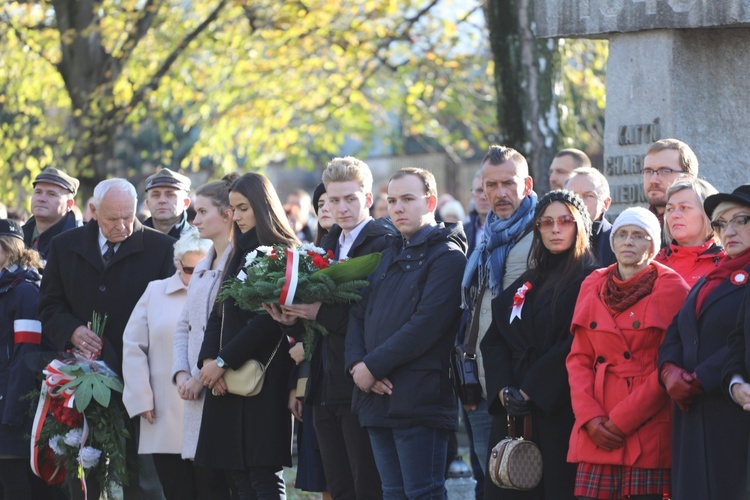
{"points": [[247, 380], [516, 463]]}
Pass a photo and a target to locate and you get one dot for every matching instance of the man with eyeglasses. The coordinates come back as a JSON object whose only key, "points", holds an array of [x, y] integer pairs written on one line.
{"points": [[592, 187], [665, 162]]}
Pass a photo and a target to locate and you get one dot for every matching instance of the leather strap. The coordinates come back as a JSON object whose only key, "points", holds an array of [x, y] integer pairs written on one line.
{"points": [[526, 427], [221, 340], [471, 341]]}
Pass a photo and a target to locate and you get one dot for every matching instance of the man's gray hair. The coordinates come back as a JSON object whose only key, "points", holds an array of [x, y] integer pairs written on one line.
{"points": [[116, 185]]}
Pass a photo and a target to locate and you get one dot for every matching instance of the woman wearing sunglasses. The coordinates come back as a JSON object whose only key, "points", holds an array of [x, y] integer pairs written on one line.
{"points": [[621, 437], [710, 434], [147, 367], [525, 348]]}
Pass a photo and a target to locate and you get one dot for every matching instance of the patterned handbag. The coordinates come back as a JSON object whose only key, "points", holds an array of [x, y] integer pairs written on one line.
{"points": [[516, 463]]}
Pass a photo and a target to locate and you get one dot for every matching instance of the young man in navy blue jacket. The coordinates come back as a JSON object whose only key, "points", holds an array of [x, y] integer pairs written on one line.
{"points": [[399, 339]]}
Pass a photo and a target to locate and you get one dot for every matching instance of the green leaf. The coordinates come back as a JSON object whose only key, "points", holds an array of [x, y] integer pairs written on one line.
{"points": [[101, 392], [83, 396]]}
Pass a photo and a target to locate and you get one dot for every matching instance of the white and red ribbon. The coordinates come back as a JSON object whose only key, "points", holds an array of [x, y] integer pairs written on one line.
{"points": [[292, 276], [518, 300], [52, 385]]}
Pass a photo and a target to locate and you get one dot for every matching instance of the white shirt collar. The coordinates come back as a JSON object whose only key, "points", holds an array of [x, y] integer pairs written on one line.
{"points": [[347, 240]]}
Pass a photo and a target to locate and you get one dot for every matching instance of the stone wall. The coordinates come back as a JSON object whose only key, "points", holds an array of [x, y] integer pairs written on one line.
{"points": [[583, 18]]}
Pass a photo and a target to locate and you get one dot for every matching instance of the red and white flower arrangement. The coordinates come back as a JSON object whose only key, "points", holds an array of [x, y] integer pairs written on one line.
{"points": [[306, 274], [79, 429]]}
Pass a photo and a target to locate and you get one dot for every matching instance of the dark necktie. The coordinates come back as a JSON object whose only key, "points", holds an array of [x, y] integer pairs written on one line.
{"points": [[110, 252]]}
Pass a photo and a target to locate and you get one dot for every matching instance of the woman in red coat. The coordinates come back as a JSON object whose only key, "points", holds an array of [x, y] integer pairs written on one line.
{"points": [[692, 249], [622, 435]]}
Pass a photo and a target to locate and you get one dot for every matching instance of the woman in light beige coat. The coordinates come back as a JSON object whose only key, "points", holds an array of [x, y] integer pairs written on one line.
{"points": [[147, 363], [214, 222]]}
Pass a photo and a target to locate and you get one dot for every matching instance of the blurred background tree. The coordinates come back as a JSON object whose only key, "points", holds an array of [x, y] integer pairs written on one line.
{"points": [[122, 87]]}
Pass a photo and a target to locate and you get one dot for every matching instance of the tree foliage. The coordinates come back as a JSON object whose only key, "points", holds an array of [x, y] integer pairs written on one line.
{"points": [[240, 83], [583, 95], [550, 93]]}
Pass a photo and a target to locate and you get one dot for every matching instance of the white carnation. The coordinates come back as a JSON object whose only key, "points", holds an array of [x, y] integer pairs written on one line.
{"points": [[89, 457], [54, 443], [306, 247], [250, 258], [73, 437], [266, 250]]}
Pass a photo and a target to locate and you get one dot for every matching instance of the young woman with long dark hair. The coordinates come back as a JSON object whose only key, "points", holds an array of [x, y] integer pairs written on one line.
{"points": [[525, 348], [249, 436]]}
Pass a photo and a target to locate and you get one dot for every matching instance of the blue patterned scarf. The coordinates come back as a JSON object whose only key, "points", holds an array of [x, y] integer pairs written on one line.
{"points": [[487, 263]]}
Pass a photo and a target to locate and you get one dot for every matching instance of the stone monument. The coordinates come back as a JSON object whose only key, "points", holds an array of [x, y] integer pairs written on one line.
{"points": [[677, 68]]}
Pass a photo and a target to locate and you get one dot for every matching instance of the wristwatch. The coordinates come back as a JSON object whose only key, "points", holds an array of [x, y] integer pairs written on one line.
{"points": [[221, 363]]}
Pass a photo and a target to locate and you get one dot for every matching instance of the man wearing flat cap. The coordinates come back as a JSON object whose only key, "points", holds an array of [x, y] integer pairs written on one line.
{"points": [[51, 205], [167, 199]]}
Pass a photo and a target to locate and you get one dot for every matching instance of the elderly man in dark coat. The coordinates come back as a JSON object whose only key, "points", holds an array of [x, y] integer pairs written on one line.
{"points": [[103, 267]]}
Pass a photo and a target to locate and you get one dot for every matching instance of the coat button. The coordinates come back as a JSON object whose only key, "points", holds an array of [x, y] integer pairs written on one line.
{"points": [[408, 267], [102, 288], [190, 328], [382, 276], [636, 324], [626, 355], [408, 256], [592, 325], [600, 359]]}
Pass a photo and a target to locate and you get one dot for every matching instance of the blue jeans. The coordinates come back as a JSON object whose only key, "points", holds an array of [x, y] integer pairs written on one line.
{"points": [[481, 422], [411, 461]]}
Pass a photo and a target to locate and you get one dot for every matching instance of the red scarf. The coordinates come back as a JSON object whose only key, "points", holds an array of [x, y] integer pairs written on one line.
{"points": [[726, 268], [618, 295]]}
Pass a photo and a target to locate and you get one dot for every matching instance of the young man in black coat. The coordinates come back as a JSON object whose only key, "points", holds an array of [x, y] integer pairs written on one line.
{"points": [[344, 446], [103, 267], [399, 341]]}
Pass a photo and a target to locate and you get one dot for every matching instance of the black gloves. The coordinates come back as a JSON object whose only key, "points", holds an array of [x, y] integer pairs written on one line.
{"points": [[514, 402]]}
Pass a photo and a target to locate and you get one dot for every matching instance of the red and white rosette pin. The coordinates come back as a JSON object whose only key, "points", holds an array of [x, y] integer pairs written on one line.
{"points": [[739, 278], [518, 300], [292, 276]]}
